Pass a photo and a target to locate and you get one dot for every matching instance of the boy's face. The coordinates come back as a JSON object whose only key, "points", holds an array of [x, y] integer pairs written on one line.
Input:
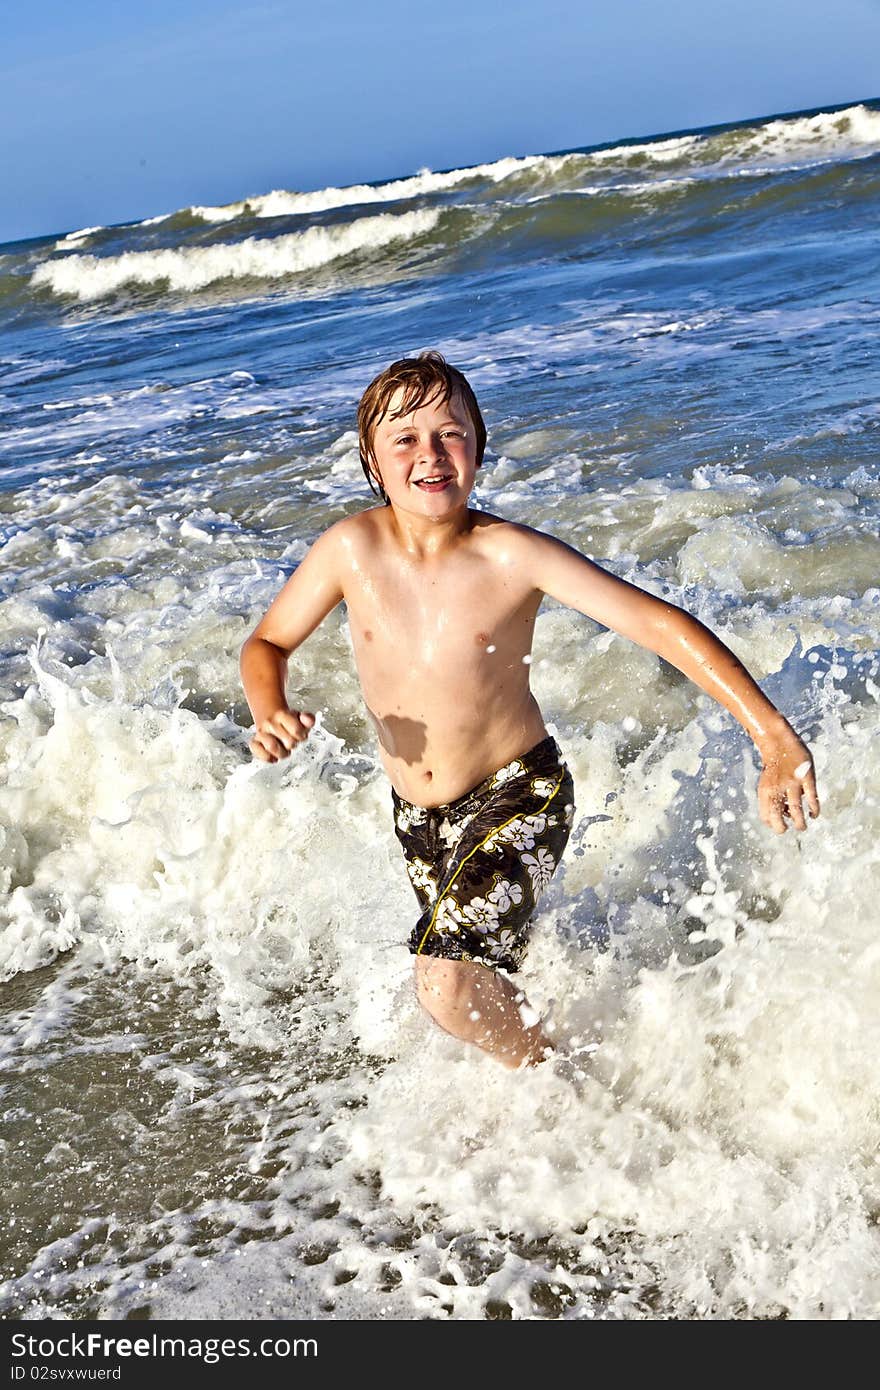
{"points": [[426, 460]]}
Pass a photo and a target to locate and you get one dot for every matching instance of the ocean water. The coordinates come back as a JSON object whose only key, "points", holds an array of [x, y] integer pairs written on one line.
{"points": [[219, 1095]]}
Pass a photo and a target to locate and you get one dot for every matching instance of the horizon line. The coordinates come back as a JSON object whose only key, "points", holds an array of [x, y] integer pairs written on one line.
{"points": [[620, 142]]}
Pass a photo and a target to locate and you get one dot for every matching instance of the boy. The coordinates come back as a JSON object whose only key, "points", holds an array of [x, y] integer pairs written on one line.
{"points": [[442, 602]]}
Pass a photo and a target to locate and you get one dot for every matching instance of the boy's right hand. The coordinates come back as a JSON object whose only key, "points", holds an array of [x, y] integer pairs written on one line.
{"points": [[278, 733]]}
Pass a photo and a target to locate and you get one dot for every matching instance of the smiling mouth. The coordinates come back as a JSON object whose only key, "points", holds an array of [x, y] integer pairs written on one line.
{"points": [[434, 484]]}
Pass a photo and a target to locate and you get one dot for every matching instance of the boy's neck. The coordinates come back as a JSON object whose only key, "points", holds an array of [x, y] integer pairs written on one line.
{"points": [[422, 536]]}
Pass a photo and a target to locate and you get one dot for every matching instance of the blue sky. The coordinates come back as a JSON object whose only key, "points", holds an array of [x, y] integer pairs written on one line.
{"points": [[111, 112]]}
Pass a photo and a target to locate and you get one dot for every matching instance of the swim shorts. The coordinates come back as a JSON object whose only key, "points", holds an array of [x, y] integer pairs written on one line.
{"points": [[479, 864]]}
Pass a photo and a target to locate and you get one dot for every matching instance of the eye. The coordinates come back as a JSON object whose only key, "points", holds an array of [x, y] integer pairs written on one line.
{"points": [[404, 439], [456, 434]]}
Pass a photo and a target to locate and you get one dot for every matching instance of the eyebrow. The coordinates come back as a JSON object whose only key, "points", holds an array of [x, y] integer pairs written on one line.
{"points": [[399, 428]]}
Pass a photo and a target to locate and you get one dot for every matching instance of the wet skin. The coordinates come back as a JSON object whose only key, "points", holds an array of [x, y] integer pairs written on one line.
{"points": [[442, 602]]}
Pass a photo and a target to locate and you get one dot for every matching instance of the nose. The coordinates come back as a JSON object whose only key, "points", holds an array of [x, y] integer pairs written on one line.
{"points": [[433, 449]]}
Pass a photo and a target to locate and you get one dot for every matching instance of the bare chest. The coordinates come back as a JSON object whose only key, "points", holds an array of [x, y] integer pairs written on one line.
{"points": [[465, 627]]}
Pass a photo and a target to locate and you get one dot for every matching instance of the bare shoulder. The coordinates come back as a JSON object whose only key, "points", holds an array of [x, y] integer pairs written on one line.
{"points": [[346, 540], [511, 542], [557, 569], [359, 527], [552, 567]]}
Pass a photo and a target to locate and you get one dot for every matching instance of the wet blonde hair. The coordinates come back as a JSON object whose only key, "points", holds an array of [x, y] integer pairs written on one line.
{"points": [[421, 379]]}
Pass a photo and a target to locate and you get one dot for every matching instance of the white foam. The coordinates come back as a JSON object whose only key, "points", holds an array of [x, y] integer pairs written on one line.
{"points": [[829, 133], [281, 203], [73, 238], [135, 410], [718, 1158], [659, 151], [761, 148], [717, 1141], [192, 268]]}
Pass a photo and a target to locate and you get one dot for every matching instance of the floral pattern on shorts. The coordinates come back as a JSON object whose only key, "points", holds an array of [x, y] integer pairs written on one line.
{"points": [[478, 865]]}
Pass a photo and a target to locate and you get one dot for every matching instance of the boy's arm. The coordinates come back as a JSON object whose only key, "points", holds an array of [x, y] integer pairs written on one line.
{"points": [[311, 592], [685, 642]]}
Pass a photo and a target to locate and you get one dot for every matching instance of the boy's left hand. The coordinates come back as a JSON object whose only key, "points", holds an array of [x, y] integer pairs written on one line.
{"points": [[787, 775]]}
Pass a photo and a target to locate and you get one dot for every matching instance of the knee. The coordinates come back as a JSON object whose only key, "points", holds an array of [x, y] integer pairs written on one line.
{"points": [[444, 987]]}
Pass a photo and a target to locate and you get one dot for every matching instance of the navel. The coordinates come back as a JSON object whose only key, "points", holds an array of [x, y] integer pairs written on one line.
{"points": [[368, 636]]}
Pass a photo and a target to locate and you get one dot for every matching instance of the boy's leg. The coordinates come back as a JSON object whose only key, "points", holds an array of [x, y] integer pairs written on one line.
{"points": [[481, 1006], [508, 837]]}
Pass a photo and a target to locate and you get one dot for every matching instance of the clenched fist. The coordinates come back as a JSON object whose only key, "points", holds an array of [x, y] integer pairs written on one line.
{"points": [[278, 733]]}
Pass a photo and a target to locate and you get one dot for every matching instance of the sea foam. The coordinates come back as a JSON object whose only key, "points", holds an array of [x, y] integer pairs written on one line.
{"points": [[192, 268]]}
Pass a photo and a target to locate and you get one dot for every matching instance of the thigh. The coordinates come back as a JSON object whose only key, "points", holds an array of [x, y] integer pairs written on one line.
{"points": [[416, 835], [492, 882]]}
